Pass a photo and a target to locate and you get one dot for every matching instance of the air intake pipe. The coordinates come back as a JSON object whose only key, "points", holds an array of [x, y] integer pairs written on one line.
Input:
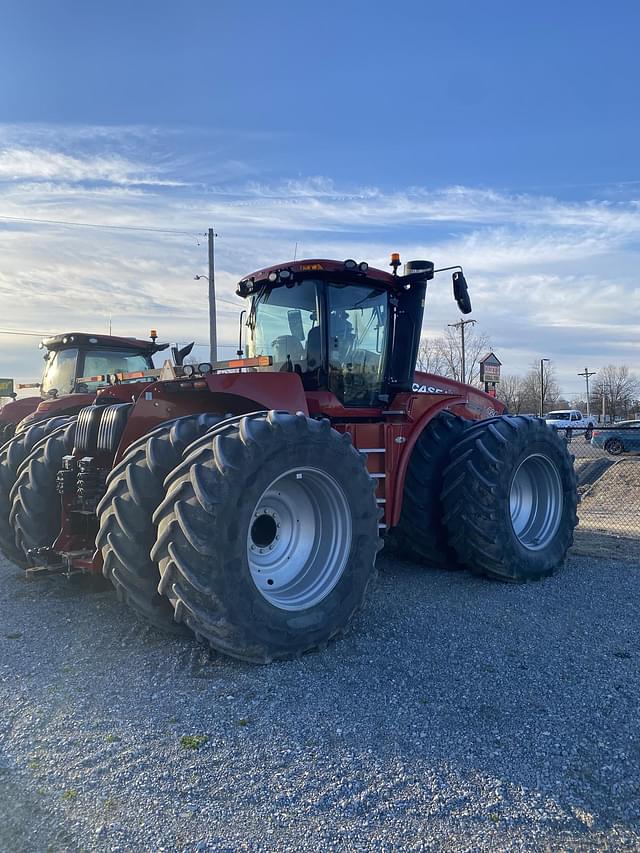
{"points": [[419, 270]]}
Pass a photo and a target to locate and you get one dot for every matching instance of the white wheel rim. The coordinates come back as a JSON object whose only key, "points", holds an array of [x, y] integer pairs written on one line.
{"points": [[299, 538], [535, 501]]}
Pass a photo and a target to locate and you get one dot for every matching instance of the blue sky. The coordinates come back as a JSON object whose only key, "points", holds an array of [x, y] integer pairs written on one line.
{"points": [[497, 135]]}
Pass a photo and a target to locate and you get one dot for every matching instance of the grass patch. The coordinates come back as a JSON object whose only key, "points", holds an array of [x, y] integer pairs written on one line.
{"points": [[70, 794], [193, 741]]}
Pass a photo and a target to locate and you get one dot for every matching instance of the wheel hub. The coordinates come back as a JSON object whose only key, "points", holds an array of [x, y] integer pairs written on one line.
{"points": [[299, 538]]}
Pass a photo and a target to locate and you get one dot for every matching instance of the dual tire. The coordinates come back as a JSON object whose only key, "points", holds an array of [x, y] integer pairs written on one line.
{"points": [[13, 455], [266, 532], [497, 497]]}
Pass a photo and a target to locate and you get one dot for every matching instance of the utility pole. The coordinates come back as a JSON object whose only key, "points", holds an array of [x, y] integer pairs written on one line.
{"points": [[213, 336], [460, 325], [542, 361], [586, 375]]}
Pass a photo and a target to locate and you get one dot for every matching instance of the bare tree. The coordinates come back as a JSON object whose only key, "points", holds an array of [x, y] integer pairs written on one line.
{"points": [[531, 390], [510, 391], [618, 387], [450, 348], [430, 359]]}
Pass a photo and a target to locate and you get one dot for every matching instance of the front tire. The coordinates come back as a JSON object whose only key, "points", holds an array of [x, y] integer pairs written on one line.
{"points": [[268, 536], [614, 446], [12, 455], [36, 510], [510, 499], [135, 488]]}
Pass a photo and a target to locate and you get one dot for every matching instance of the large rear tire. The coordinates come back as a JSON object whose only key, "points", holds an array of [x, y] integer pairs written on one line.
{"points": [[135, 488], [12, 455], [510, 499], [421, 534], [36, 510], [267, 537]]}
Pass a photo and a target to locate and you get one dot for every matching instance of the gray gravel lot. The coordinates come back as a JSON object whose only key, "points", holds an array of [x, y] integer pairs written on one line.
{"points": [[459, 713]]}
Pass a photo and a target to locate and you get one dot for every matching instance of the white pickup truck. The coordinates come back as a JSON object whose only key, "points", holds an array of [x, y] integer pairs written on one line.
{"points": [[571, 419]]}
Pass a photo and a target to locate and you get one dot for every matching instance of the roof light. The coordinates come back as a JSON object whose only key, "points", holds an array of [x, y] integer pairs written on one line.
{"points": [[350, 264], [65, 340], [205, 367], [93, 340], [285, 274], [363, 266], [273, 276], [188, 370]]}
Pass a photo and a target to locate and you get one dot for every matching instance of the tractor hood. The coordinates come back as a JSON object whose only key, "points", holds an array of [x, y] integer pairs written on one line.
{"points": [[16, 410], [68, 404]]}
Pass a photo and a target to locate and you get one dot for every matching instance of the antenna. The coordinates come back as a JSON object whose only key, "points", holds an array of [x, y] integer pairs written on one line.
{"points": [[295, 251]]}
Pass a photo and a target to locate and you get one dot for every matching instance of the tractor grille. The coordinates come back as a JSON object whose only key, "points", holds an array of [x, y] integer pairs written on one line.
{"points": [[114, 420]]}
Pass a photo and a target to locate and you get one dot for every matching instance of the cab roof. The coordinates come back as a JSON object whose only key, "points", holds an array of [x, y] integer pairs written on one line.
{"points": [[349, 270], [86, 339]]}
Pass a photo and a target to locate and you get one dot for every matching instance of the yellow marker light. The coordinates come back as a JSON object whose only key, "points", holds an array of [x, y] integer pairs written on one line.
{"points": [[153, 334], [395, 258]]}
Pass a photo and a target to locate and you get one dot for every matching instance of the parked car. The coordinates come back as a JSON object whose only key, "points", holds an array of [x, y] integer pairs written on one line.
{"points": [[623, 437], [571, 420]]}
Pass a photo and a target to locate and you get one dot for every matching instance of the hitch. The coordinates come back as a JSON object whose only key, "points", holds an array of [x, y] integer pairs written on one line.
{"points": [[50, 562]]}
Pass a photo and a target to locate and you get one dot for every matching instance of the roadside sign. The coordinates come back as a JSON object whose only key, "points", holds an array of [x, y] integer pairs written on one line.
{"points": [[6, 387], [490, 368]]}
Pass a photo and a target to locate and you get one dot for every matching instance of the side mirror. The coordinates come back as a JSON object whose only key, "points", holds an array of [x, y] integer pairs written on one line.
{"points": [[461, 292], [179, 355]]}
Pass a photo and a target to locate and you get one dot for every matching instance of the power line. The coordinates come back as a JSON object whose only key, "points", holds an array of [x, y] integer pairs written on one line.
{"points": [[68, 224], [25, 334]]}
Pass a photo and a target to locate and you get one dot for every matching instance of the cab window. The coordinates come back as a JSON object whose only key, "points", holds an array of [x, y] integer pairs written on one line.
{"points": [[357, 326], [283, 323], [101, 362], [60, 372]]}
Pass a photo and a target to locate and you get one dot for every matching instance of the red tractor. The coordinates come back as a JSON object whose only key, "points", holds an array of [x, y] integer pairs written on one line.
{"points": [[76, 365], [74, 362], [247, 500]]}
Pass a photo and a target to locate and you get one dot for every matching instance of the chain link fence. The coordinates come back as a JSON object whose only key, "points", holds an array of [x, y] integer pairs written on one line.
{"points": [[607, 465]]}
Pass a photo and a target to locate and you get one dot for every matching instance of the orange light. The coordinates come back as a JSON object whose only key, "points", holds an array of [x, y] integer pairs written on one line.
{"points": [[153, 333], [395, 258], [311, 267]]}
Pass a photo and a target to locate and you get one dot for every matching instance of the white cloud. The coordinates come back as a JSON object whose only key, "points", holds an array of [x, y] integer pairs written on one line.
{"points": [[37, 164], [548, 276]]}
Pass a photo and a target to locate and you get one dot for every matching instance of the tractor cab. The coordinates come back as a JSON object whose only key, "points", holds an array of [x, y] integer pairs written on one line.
{"points": [[77, 362], [342, 327]]}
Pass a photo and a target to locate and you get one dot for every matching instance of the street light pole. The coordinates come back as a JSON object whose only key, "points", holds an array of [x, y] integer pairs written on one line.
{"points": [[213, 334], [211, 278], [542, 361]]}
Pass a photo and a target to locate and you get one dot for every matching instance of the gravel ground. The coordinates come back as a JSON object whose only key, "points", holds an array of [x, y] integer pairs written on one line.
{"points": [[459, 714]]}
